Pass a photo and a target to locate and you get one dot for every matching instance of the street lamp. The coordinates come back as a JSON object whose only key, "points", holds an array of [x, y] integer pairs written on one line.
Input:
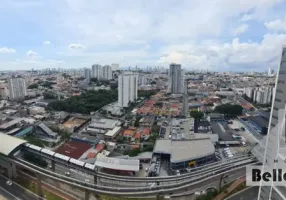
{"points": [[220, 180]]}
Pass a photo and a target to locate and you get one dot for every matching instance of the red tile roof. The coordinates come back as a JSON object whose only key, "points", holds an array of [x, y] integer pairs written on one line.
{"points": [[73, 149]]}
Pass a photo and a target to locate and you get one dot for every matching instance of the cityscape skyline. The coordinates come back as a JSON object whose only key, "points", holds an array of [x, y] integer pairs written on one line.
{"points": [[247, 37]]}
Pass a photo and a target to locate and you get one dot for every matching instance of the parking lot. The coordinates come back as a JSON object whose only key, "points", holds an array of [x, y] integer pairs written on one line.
{"points": [[246, 135]]}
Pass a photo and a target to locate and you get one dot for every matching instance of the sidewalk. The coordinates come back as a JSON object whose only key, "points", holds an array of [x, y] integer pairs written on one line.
{"points": [[232, 187]]}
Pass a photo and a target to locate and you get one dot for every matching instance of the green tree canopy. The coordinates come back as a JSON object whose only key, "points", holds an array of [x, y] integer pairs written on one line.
{"points": [[228, 109], [197, 115]]}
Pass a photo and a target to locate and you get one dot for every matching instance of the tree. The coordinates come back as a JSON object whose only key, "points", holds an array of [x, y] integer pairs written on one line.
{"points": [[87, 102], [49, 95], [33, 86], [228, 109], [136, 123], [134, 152], [197, 115], [93, 80], [35, 159]]}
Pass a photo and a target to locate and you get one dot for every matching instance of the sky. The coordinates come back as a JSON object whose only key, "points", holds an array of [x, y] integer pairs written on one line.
{"points": [[218, 35]]}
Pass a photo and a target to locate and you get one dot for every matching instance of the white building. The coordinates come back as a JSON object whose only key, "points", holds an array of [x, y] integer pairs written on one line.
{"points": [[97, 71], [17, 88], [127, 88], [115, 66], [176, 79], [249, 91], [87, 74], [106, 72], [142, 79]]}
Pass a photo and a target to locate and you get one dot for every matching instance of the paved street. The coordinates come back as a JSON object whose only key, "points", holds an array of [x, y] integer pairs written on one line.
{"points": [[15, 191], [248, 194]]}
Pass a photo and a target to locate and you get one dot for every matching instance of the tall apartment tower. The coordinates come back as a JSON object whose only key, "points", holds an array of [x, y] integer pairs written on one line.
{"points": [[87, 74], [97, 71], [17, 88], [115, 66], [106, 72], [127, 88], [274, 143], [176, 79]]}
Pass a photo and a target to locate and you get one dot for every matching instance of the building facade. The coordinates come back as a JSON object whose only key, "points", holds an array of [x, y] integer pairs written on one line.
{"points": [[176, 79], [127, 88], [115, 66], [17, 88], [97, 71], [87, 74], [273, 147], [142, 79], [106, 72]]}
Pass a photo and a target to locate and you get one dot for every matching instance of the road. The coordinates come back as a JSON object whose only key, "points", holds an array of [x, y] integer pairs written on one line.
{"points": [[207, 184], [15, 191], [250, 193]]}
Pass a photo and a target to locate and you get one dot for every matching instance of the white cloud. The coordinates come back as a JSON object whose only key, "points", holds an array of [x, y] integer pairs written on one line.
{"points": [[246, 17], [7, 50], [276, 25], [47, 42], [240, 29], [228, 56], [76, 46], [32, 54]]}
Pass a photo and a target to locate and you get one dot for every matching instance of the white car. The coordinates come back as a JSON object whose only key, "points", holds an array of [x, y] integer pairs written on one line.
{"points": [[67, 173], [9, 183], [86, 180]]}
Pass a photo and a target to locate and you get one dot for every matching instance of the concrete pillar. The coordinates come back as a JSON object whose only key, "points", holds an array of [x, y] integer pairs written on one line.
{"points": [[87, 193], [95, 179], [39, 183], [53, 164], [10, 173], [14, 170]]}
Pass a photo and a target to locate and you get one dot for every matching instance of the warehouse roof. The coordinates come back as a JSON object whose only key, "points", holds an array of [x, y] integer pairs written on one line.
{"points": [[117, 164], [162, 147], [185, 150], [9, 143], [224, 135]]}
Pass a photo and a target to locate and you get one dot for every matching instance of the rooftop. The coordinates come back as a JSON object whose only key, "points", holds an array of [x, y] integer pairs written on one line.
{"points": [[224, 135], [260, 121], [73, 149], [9, 143], [104, 123], [191, 149], [118, 164]]}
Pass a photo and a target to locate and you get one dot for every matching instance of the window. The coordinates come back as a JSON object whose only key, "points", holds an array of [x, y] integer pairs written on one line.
{"points": [[275, 108], [282, 72], [275, 117], [281, 82], [279, 91], [277, 100]]}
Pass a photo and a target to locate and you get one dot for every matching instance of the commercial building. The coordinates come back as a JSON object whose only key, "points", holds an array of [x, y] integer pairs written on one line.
{"points": [[259, 123], [127, 88], [176, 79], [186, 153], [106, 72], [276, 140], [87, 74], [17, 88], [96, 71]]}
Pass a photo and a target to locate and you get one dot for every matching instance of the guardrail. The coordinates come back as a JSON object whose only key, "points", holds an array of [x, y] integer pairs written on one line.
{"points": [[138, 193]]}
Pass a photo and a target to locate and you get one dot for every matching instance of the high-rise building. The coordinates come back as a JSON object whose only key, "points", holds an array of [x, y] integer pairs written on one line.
{"points": [[106, 72], [274, 144], [127, 88], [142, 79], [87, 74], [17, 88], [96, 71], [269, 71], [115, 67], [176, 79]]}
